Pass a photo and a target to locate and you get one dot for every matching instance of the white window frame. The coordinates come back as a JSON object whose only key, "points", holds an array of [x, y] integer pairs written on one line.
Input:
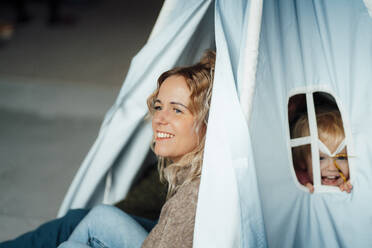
{"points": [[312, 140]]}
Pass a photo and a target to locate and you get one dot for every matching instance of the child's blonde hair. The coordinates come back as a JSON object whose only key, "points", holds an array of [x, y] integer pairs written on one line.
{"points": [[330, 132]]}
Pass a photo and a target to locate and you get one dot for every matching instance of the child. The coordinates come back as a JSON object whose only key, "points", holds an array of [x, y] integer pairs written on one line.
{"points": [[334, 167]]}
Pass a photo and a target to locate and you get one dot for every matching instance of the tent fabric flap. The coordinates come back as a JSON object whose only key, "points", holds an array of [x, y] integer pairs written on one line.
{"points": [[229, 210]]}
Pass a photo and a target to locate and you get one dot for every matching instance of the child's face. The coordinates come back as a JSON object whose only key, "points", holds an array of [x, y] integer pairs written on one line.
{"points": [[329, 172]]}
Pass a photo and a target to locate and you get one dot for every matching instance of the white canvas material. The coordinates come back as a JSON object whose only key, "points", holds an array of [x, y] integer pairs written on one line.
{"points": [[248, 194], [229, 207], [368, 4], [323, 148], [300, 141], [308, 46]]}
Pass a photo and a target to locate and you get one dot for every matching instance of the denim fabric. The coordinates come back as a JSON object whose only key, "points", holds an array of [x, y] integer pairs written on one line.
{"points": [[107, 226], [50, 234], [53, 233], [147, 224]]}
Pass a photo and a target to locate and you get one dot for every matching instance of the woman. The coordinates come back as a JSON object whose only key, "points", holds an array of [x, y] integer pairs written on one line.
{"points": [[179, 110]]}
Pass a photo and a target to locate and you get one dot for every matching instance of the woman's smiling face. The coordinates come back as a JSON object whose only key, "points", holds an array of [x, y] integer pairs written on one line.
{"points": [[173, 123]]}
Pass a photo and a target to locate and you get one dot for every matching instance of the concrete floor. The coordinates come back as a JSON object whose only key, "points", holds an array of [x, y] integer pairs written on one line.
{"points": [[55, 86]]}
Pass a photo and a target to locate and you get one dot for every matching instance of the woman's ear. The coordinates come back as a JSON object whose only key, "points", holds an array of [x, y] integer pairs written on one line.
{"points": [[202, 130]]}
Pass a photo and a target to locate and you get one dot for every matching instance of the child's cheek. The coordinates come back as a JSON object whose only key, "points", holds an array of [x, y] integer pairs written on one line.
{"points": [[346, 171]]}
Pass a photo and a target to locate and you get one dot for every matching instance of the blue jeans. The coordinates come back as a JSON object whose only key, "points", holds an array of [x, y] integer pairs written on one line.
{"points": [[107, 226], [53, 233], [50, 234]]}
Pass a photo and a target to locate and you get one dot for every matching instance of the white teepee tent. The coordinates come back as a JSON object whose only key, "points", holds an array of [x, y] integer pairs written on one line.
{"points": [[267, 51]]}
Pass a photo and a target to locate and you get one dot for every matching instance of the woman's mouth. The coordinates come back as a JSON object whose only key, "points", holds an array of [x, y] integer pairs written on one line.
{"points": [[330, 180], [163, 135]]}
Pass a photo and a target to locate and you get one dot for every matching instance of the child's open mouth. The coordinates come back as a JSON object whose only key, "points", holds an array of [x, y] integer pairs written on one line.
{"points": [[330, 180]]}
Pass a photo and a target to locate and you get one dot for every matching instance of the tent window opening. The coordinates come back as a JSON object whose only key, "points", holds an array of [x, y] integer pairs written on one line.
{"points": [[317, 131]]}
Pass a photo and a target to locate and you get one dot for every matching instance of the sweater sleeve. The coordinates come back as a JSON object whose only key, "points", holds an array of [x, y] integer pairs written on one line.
{"points": [[177, 219]]}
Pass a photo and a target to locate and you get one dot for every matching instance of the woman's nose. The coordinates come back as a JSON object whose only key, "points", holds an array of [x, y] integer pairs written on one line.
{"points": [[160, 117]]}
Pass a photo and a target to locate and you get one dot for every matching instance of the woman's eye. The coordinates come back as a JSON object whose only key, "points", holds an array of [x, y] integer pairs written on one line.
{"points": [[157, 108], [321, 158]]}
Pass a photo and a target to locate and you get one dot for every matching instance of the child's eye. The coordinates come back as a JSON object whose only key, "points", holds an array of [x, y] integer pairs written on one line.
{"points": [[342, 157], [321, 158], [178, 111]]}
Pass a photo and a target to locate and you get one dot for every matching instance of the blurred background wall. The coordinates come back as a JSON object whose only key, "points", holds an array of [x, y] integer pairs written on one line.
{"points": [[57, 80]]}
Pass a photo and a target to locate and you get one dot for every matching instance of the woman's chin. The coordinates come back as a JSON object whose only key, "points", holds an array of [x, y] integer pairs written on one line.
{"points": [[162, 152]]}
